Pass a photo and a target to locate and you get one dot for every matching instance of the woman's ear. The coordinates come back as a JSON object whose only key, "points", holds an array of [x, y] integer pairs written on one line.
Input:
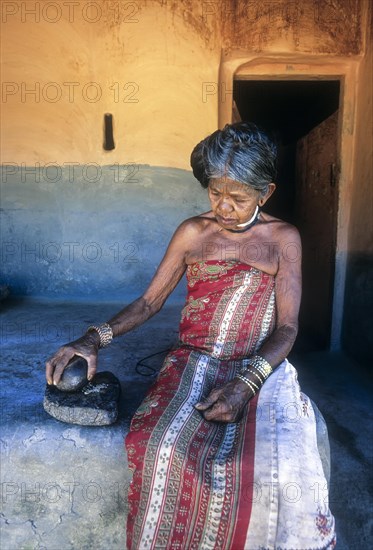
{"points": [[271, 189]]}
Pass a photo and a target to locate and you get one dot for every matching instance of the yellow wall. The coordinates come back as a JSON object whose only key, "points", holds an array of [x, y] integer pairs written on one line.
{"points": [[149, 66], [152, 60]]}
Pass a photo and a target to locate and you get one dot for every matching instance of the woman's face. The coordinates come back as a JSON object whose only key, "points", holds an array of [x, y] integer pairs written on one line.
{"points": [[231, 202]]}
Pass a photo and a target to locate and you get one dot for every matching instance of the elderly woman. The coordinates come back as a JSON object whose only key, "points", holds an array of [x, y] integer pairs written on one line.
{"points": [[223, 448]]}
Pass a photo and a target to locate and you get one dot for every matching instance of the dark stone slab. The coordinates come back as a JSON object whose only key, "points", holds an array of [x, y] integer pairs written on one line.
{"points": [[74, 377], [96, 404]]}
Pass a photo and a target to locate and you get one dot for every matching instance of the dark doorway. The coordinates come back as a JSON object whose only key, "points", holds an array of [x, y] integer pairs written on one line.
{"points": [[302, 117]]}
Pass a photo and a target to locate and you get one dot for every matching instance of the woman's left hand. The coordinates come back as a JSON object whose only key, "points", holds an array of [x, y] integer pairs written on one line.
{"points": [[225, 404]]}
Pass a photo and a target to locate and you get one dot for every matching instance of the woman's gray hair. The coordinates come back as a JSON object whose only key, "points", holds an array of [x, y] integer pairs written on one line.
{"points": [[241, 152]]}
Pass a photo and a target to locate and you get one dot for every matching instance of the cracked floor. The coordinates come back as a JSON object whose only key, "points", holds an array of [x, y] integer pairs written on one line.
{"points": [[64, 486]]}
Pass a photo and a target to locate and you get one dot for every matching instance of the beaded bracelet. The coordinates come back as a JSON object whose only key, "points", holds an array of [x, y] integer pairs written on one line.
{"points": [[263, 368], [261, 365], [105, 333]]}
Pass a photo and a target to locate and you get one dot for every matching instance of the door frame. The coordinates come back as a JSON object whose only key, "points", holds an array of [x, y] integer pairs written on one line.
{"points": [[309, 67]]}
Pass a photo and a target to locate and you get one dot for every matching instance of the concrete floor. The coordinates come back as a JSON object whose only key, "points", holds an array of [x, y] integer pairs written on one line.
{"points": [[64, 486]]}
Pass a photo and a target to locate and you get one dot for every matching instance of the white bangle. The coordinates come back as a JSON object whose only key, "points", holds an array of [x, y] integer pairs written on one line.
{"points": [[247, 382]]}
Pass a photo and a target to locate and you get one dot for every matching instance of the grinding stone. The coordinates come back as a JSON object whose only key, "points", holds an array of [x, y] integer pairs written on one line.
{"points": [[96, 404]]}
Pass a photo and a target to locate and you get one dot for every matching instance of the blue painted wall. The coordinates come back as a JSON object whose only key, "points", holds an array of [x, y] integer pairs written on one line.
{"points": [[90, 232]]}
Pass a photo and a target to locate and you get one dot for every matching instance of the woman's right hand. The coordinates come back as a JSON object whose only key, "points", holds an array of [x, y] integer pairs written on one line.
{"points": [[87, 347]]}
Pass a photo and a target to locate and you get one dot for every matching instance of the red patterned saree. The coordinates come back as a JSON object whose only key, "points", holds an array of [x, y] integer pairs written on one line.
{"points": [[200, 485]]}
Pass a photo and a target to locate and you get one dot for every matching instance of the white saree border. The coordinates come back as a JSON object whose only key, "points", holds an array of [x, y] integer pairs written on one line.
{"points": [[229, 314], [290, 508], [165, 454]]}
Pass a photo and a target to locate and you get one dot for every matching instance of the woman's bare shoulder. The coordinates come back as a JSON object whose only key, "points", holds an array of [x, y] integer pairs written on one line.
{"points": [[196, 224], [281, 228]]}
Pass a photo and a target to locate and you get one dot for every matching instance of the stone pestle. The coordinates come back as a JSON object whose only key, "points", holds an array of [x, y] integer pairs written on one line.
{"points": [[74, 377]]}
